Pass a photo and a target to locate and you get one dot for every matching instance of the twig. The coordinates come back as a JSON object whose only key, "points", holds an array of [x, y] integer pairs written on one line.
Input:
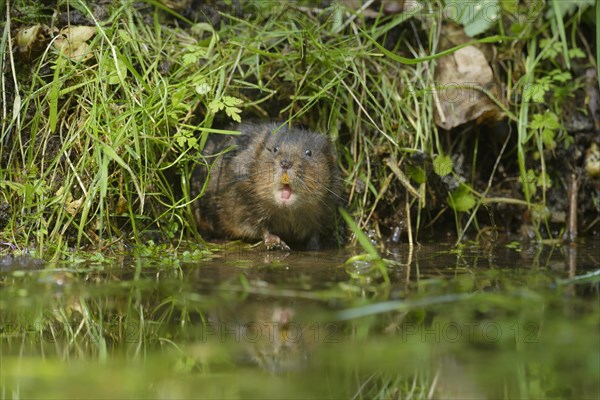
{"points": [[571, 233]]}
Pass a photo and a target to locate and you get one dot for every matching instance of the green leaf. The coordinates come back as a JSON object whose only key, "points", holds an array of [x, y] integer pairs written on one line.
{"points": [[190, 58], [442, 165], [180, 138], [568, 140], [476, 17], [510, 6], [550, 48], [202, 88], [417, 174], [461, 199], [185, 138], [576, 52], [537, 121], [535, 92], [192, 142], [231, 101], [114, 70], [548, 120], [548, 138], [551, 120], [234, 113], [560, 76], [228, 103], [531, 180], [543, 179], [215, 106]]}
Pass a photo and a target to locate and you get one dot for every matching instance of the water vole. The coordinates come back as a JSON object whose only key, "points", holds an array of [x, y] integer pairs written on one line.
{"points": [[278, 185]]}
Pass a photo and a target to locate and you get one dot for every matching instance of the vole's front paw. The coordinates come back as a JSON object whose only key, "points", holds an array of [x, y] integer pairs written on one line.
{"points": [[274, 242]]}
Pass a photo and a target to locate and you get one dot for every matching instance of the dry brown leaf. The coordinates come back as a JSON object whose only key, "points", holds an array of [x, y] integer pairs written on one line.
{"points": [[72, 207], [26, 38], [459, 77], [592, 161], [32, 41], [72, 41], [121, 207]]}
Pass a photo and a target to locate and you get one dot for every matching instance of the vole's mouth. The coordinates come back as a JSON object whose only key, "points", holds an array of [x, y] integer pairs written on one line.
{"points": [[285, 195], [286, 192]]}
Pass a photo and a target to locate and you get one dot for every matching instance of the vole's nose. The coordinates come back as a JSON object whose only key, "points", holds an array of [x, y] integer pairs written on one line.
{"points": [[285, 164]]}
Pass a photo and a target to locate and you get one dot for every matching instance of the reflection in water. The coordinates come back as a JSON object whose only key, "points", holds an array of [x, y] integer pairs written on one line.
{"points": [[454, 323], [275, 341]]}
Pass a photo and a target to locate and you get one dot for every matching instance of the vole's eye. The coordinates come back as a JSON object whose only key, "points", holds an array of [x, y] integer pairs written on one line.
{"points": [[275, 149], [307, 153]]}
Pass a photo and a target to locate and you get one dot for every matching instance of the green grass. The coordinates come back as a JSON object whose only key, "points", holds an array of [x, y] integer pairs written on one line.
{"points": [[98, 152]]}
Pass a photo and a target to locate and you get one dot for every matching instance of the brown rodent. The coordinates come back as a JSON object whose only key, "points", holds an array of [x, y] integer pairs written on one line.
{"points": [[276, 183]]}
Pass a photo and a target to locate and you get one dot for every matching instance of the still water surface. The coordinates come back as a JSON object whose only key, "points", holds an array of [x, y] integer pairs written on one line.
{"points": [[495, 322]]}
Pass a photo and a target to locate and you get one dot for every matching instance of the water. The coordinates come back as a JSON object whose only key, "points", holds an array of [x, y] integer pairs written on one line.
{"points": [[495, 322]]}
